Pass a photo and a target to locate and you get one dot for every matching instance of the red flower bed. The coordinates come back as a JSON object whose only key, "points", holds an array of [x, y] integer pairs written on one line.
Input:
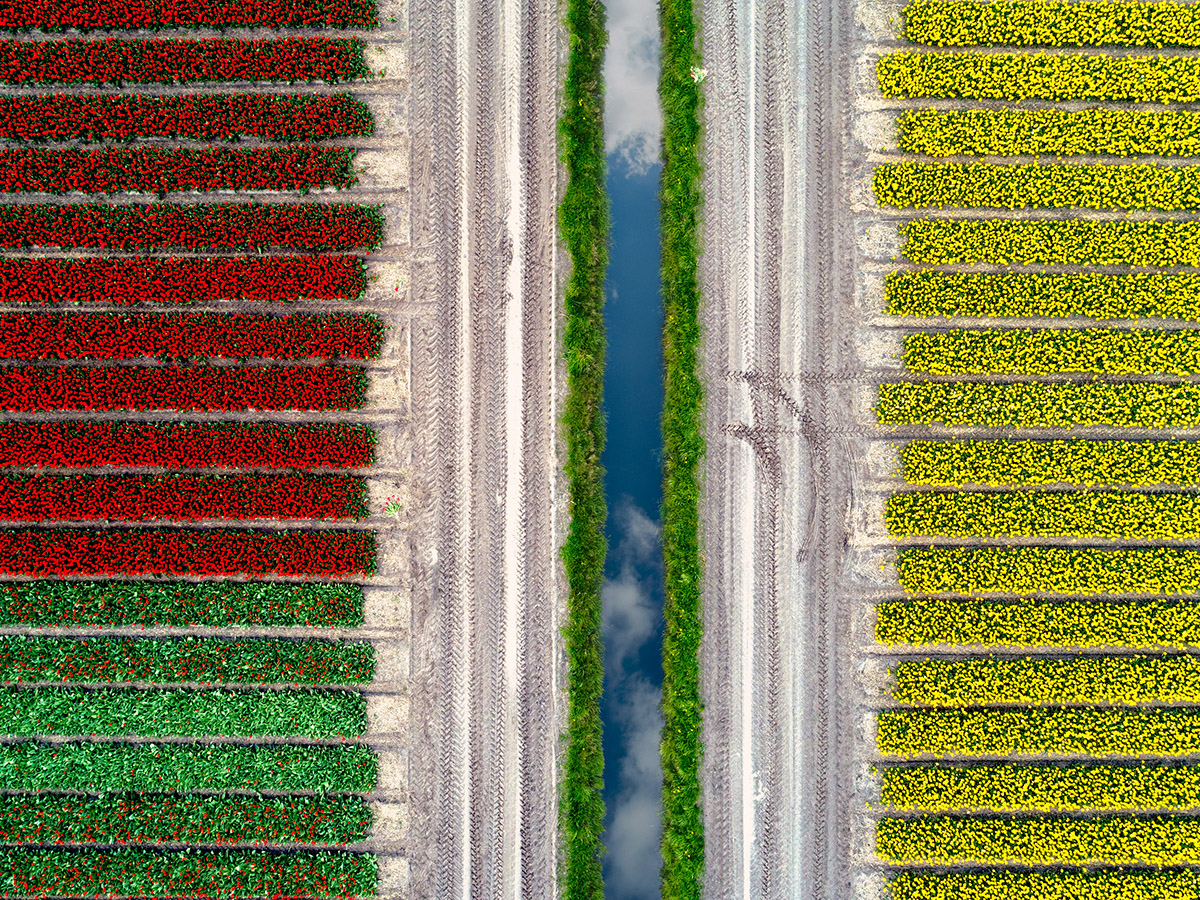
{"points": [[185, 498], [188, 280], [233, 226], [33, 388], [59, 15], [175, 61], [62, 552], [186, 445], [159, 170], [183, 335], [210, 117]]}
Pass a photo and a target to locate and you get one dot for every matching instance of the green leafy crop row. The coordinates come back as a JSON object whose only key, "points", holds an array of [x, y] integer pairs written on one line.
{"points": [[976, 185], [1052, 241], [1034, 294], [1058, 132], [980, 681], [1039, 76], [208, 660], [1077, 462], [97, 768], [73, 711], [1039, 405], [1041, 787], [1053, 23], [1072, 571], [1092, 514]]}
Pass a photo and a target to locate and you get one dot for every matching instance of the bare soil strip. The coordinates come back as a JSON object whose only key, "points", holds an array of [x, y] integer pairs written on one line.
{"points": [[487, 592]]}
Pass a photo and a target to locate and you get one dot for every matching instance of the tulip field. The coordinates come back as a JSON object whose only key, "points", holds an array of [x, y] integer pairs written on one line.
{"points": [[1037, 730], [180, 342]]}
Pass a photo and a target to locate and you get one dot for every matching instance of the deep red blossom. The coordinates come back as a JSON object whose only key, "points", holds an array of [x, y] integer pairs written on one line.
{"points": [[184, 498], [33, 388], [231, 226], [63, 552], [185, 445], [189, 280], [176, 61], [165, 170], [188, 335], [124, 117], [59, 15]]}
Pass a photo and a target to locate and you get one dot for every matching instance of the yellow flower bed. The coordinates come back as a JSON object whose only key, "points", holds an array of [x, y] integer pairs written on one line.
{"points": [[1051, 885]]}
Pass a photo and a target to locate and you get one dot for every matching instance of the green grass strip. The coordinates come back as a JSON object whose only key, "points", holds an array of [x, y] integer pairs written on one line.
{"points": [[1078, 571], [938, 840], [583, 220], [1082, 463], [180, 603], [1056, 132], [195, 713], [100, 768], [1033, 294], [1052, 242], [1096, 731], [173, 818], [1034, 405], [1039, 623], [1044, 351], [209, 660], [1091, 514], [1115, 680], [1039, 76], [1040, 787], [1051, 23], [981, 185], [227, 874], [681, 198], [1051, 885]]}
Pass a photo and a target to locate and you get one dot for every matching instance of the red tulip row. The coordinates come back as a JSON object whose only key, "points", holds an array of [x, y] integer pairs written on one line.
{"points": [[233, 226], [210, 117], [63, 552], [34, 388], [160, 170], [185, 445], [59, 15], [188, 280], [177, 61], [184, 335], [184, 498]]}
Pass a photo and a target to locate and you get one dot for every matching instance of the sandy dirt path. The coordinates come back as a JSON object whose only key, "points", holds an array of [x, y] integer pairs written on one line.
{"points": [[488, 591]]}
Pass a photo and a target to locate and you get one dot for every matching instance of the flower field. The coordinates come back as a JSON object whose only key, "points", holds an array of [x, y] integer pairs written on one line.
{"points": [[1037, 731], [177, 357]]}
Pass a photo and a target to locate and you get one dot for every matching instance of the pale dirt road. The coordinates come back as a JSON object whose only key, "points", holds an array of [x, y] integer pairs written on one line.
{"points": [[487, 666], [777, 274]]}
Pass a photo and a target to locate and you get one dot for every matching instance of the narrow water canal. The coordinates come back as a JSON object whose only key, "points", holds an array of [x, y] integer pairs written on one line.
{"points": [[633, 594]]}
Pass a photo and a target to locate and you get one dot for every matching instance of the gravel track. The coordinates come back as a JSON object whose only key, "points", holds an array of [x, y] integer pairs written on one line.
{"points": [[775, 276], [488, 591]]}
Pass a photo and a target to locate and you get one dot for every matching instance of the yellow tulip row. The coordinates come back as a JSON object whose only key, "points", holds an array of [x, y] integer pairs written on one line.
{"points": [[1036, 731], [1056, 132], [1049, 885], [981, 185], [1039, 76], [1034, 294], [1027, 242], [1041, 623], [1116, 680], [1039, 841], [1085, 514], [1075, 462], [1070, 571], [1051, 23], [1044, 351], [1041, 787]]}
